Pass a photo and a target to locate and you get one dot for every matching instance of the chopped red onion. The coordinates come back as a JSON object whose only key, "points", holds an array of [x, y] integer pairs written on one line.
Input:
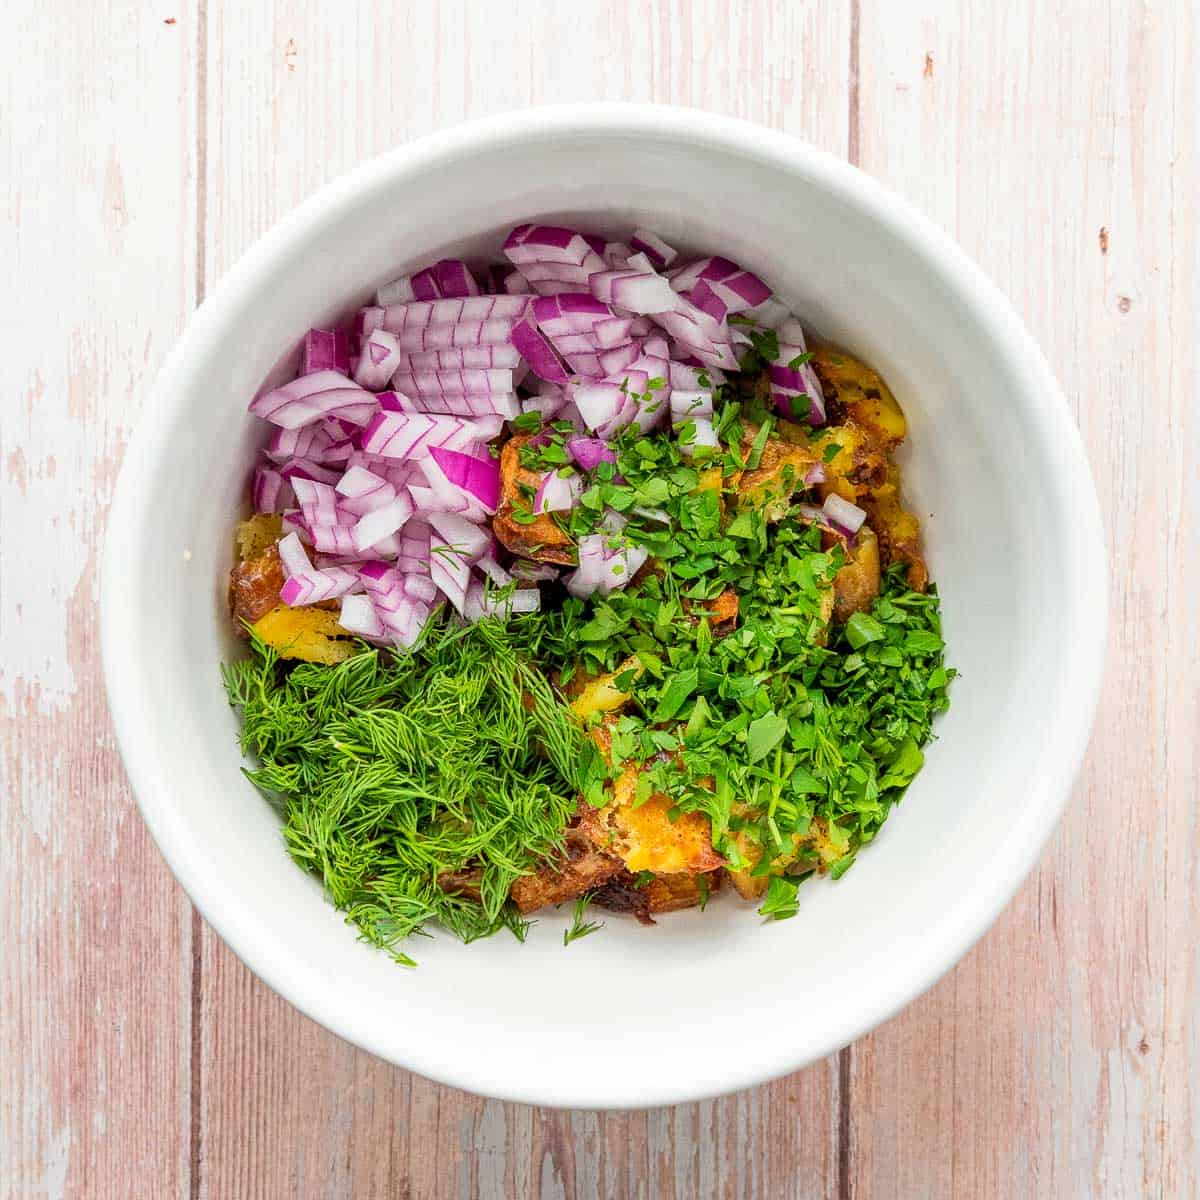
{"points": [[545, 243], [380, 357], [450, 570], [557, 493], [845, 517], [471, 540], [325, 350], [382, 522], [358, 615], [539, 352], [653, 247], [270, 491], [702, 435], [589, 452], [362, 491], [688, 406], [479, 478], [322, 394], [494, 571], [522, 568]]}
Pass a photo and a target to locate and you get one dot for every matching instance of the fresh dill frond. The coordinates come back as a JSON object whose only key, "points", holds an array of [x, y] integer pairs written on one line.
{"points": [[579, 927], [392, 771]]}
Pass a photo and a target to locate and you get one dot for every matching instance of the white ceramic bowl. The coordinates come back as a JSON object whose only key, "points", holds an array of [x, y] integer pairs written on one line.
{"points": [[705, 1003]]}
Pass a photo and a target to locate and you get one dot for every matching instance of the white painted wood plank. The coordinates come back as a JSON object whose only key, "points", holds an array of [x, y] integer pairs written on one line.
{"points": [[1059, 1059], [97, 244]]}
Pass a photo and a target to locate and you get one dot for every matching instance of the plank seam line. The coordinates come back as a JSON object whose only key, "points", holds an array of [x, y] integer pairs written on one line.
{"points": [[196, 998]]}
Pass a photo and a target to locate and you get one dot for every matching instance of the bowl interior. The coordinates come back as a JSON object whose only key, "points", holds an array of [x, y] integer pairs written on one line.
{"points": [[991, 467]]}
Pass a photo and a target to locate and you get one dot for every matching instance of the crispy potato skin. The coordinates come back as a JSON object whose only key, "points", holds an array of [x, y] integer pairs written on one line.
{"points": [[466, 883], [254, 585], [663, 893], [856, 585], [583, 868], [542, 539]]}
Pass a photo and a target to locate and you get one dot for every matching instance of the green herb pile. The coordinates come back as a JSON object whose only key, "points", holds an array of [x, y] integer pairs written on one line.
{"points": [[794, 736], [391, 770]]}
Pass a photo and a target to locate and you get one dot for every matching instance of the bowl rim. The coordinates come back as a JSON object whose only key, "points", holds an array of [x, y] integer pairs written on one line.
{"points": [[1083, 651]]}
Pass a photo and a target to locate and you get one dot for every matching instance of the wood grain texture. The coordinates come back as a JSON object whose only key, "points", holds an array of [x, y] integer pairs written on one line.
{"points": [[97, 249], [144, 152], [1052, 1061]]}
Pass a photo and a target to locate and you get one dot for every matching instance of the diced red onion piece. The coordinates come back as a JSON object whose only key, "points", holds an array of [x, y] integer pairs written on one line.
{"points": [[478, 477], [361, 491], [534, 571], [358, 615], [687, 406], [270, 491], [545, 243], [538, 352], [637, 291], [461, 357], [703, 436], [589, 452], [325, 350], [380, 357], [494, 571], [398, 291], [557, 493], [322, 394], [450, 570], [847, 518], [814, 475], [471, 540], [301, 468], [381, 522], [644, 241], [313, 587], [293, 557]]}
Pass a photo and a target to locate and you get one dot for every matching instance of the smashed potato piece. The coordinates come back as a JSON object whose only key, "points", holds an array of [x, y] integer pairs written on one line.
{"points": [[582, 868], [815, 847], [861, 392], [253, 535], [309, 634], [254, 586], [856, 585], [722, 611], [467, 883], [595, 696], [669, 893], [663, 893], [644, 836], [541, 539], [779, 474], [898, 530]]}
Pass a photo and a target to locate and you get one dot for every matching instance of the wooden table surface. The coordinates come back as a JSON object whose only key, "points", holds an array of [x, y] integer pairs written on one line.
{"points": [[144, 147]]}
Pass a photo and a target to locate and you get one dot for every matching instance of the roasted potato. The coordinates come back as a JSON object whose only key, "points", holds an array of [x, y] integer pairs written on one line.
{"points": [[779, 474], [256, 533], [663, 893], [592, 696], [308, 634], [541, 539], [254, 586], [898, 530], [856, 585], [859, 391], [582, 868]]}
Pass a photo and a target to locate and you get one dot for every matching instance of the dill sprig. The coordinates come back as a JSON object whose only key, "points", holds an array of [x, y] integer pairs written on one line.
{"points": [[391, 770]]}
